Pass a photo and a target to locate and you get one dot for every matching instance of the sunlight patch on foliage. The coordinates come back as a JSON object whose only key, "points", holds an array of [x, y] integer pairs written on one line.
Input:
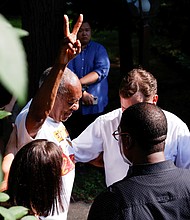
{"points": [[13, 63], [4, 114]]}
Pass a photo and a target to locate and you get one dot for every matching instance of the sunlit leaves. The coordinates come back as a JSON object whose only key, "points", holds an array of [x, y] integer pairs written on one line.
{"points": [[13, 63]]}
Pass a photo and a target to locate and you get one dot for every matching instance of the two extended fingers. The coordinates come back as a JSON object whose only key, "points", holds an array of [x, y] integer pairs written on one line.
{"points": [[76, 26]]}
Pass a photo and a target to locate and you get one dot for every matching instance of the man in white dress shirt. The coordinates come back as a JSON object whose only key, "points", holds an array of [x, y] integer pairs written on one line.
{"points": [[137, 86]]}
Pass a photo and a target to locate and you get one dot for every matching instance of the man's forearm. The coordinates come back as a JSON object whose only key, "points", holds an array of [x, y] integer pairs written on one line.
{"points": [[6, 164]]}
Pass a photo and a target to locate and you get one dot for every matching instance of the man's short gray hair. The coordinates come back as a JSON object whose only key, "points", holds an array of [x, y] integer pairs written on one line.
{"points": [[68, 78]]}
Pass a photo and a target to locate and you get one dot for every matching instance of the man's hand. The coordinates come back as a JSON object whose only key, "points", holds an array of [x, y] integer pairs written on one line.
{"points": [[70, 45], [6, 164], [87, 98]]}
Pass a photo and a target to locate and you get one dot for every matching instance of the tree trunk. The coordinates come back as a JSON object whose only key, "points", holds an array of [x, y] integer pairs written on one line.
{"points": [[44, 21], [125, 39]]}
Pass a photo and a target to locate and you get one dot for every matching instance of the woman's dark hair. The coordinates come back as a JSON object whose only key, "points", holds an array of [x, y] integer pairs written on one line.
{"points": [[35, 177]]}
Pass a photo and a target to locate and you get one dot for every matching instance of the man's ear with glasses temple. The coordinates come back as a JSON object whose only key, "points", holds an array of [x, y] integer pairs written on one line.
{"points": [[121, 137]]}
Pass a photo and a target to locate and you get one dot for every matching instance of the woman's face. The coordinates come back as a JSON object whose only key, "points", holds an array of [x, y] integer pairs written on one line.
{"points": [[84, 34]]}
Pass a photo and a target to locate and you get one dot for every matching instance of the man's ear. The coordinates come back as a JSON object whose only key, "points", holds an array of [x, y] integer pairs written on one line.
{"points": [[129, 142], [127, 150]]}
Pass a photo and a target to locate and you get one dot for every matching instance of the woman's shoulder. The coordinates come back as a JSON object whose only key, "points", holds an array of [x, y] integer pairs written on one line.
{"points": [[93, 43]]}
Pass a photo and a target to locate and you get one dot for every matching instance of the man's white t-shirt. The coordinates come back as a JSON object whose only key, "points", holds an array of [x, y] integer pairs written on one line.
{"points": [[57, 133]]}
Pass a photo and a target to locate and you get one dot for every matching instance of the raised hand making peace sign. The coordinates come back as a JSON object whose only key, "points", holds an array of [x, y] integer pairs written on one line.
{"points": [[54, 102], [40, 110], [70, 45]]}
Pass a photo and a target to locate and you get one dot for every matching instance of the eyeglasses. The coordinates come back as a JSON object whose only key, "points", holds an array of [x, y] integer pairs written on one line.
{"points": [[117, 133]]}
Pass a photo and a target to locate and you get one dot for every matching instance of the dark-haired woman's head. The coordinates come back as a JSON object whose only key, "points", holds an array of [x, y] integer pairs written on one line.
{"points": [[35, 177]]}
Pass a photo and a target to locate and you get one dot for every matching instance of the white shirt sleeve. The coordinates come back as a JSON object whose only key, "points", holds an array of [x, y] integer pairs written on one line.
{"points": [[177, 146], [22, 134], [183, 146], [88, 145]]}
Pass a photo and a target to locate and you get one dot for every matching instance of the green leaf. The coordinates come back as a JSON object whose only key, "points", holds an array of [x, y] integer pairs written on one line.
{"points": [[4, 197], [20, 32], [6, 214], [1, 173], [18, 211], [4, 114], [13, 62], [29, 217]]}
